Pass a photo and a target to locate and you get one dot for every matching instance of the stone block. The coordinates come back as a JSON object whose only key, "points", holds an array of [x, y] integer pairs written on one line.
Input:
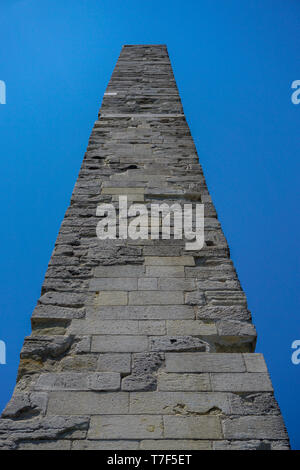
{"points": [[177, 343], [254, 427], [180, 403], [142, 312], [154, 327], [122, 191], [192, 427], [78, 363], [246, 382], [255, 362], [230, 312], [104, 381], [126, 427], [104, 327], [113, 283], [183, 382], [204, 362], [169, 261], [110, 298], [175, 283], [116, 343], [88, 403], [45, 445], [105, 445], [147, 283], [165, 271], [155, 298], [176, 444], [191, 327], [114, 363], [119, 271]]}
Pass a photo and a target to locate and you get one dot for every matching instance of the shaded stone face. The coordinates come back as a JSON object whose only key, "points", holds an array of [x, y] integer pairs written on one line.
{"points": [[141, 343]]}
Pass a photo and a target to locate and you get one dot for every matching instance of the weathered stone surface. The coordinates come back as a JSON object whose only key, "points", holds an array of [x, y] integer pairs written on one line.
{"points": [[141, 343], [113, 283], [63, 299], [155, 298], [105, 445], [78, 381], [223, 312], [246, 382], [114, 343], [169, 261], [143, 368], [165, 271], [177, 343], [173, 444], [126, 427], [255, 363], [152, 312], [49, 311], [191, 327], [251, 445], [126, 271], [204, 362], [46, 445], [110, 298], [26, 405], [192, 427], [45, 346], [183, 382], [254, 427], [179, 403], [114, 363], [77, 403], [53, 427]]}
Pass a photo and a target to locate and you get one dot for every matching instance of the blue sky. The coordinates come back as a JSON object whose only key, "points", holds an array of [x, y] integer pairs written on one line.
{"points": [[234, 63]]}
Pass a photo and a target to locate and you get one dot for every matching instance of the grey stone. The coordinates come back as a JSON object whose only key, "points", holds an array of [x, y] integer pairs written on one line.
{"points": [[173, 444], [180, 403], [191, 327], [165, 271], [169, 261], [77, 403], [48, 428], [246, 382], [143, 312], [110, 298], [46, 445], [105, 445], [192, 427], [232, 312], [143, 368], [46, 346], [204, 362], [177, 343], [125, 427], [114, 363], [64, 299], [26, 405], [183, 382], [116, 343], [104, 381], [113, 283], [155, 298], [255, 362], [147, 283], [254, 427], [125, 271]]}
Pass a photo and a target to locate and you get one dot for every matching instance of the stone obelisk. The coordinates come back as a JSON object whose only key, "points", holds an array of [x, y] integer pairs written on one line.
{"points": [[141, 343]]}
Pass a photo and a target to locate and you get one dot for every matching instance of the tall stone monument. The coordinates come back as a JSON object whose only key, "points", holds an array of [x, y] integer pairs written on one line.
{"points": [[141, 343]]}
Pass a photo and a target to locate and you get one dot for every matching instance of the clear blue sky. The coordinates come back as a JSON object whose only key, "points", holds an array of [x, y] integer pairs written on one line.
{"points": [[234, 62]]}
